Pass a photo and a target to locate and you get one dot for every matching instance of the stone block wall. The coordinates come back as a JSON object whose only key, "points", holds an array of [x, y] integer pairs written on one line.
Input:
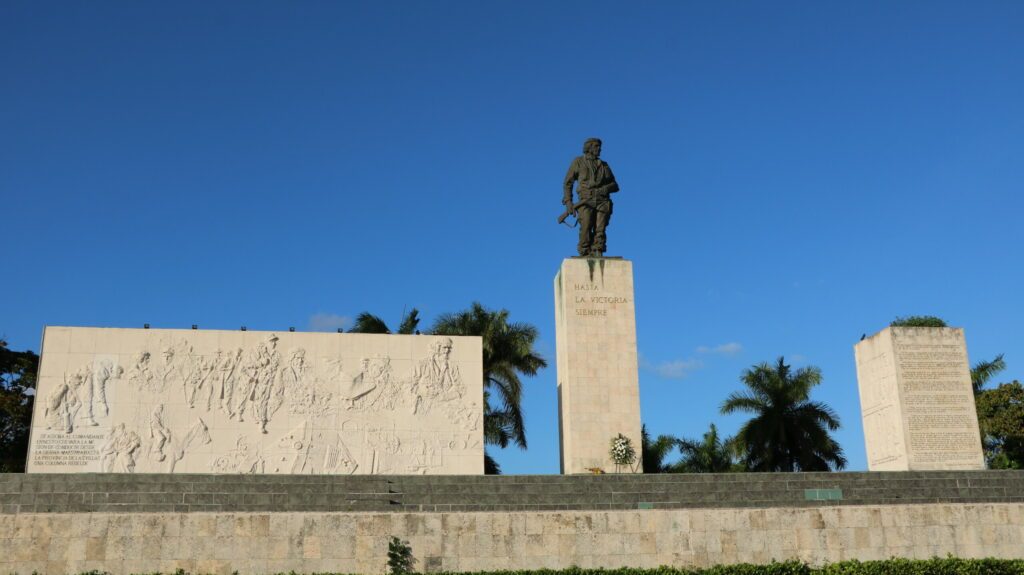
{"points": [[135, 523], [306, 542]]}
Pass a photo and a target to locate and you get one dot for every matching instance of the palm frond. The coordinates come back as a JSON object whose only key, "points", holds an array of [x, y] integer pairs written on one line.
{"points": [[742, 401], [654, 452], [368, 323], [983, 371], [410, 322]]}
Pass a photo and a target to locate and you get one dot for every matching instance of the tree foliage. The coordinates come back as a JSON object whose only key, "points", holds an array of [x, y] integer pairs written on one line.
{"points": [[918, 321], [710, 454], [17, 391], [366, 322], [654, 452], [1001, 418], [491, 466], [788, 432], [984, 371]]}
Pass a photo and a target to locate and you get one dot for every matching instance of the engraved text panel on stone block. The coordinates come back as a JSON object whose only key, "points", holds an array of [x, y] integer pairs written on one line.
{"points": [[936, 396]]}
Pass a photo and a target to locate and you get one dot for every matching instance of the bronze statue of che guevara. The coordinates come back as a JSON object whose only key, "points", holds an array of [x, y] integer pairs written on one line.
{"points": [[593, 210]]}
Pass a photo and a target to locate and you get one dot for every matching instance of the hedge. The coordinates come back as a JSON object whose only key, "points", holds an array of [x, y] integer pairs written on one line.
{"points": [[936, 566], [948, 566]]}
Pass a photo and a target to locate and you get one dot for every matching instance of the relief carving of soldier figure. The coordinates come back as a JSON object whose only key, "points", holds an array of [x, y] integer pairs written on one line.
{"points": [[104, 372], [118, 452], [195, 383], [303, 395], [377, 370], [61, 407], [167, 371], [354, 389], [293, 375], [437, 374], [227, 378], [158, 433], [261, 386], [83, 384], [594, 209], [436, 377], [140, 375]]}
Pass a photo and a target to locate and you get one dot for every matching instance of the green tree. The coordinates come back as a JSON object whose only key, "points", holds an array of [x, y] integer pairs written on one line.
{"points": [[507, 354], [710, 454], [17, 391], [788, 432], [366, 322], [1001, 418], [984, 371], [918, 321], [653, 452]]}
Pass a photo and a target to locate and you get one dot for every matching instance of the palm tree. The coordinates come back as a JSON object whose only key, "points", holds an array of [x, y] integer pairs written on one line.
{"points": [[708, 455], [983, 371], [491, 466], [653, 453], [789, 432], [366, 322], [507, 353]]}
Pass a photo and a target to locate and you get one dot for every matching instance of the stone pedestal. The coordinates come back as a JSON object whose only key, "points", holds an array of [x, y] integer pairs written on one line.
{"points": [[598, 384], [916, 400]]}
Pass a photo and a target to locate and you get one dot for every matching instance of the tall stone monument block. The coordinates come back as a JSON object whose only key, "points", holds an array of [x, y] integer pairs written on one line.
{"points": [[598, 385], [205, 401], [916, 400]]}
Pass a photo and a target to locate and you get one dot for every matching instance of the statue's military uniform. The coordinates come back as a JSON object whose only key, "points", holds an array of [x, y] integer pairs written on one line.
{"points": [[596, 183]]}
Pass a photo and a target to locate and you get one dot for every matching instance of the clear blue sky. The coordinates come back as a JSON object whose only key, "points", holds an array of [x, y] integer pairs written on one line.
{"points": [[793, 174]]}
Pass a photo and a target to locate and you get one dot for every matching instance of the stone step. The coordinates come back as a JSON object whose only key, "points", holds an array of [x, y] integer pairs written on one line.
{"points": [[21, 493]]}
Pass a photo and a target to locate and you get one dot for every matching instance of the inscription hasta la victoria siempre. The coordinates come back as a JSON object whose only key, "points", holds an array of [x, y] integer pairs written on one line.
{"points": [[591, 304]]}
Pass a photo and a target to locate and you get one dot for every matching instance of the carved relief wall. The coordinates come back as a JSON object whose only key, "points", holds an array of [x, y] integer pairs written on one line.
{"points": [[204, 401]]}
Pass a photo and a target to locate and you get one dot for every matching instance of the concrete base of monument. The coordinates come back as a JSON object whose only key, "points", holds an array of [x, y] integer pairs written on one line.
{"points": [[269, 524]]}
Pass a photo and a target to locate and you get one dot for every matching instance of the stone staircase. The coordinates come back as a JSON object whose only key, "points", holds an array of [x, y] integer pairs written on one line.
{"points": [[555, 492], [73, 493]]}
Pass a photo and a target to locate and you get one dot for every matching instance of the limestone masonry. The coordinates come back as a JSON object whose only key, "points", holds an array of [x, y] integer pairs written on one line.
{"points": [[916, 400], [173, 401], [309, 542], [254, 524], [598, 385]]}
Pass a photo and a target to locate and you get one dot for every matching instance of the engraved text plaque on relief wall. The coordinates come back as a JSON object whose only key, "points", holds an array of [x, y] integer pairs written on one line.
{"points": [[176, 401], [916, 400]]}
